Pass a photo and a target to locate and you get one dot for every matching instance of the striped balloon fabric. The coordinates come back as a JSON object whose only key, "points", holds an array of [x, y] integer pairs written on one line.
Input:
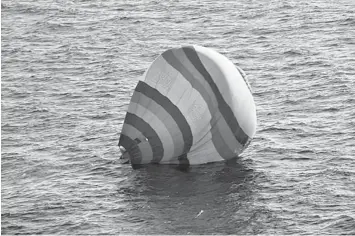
{"points": [[192, 106]]}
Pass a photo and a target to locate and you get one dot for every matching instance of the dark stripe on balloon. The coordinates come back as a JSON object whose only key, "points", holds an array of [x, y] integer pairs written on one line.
{"points": [[147, 131], [183, 161], [132, 148], [226, 111], [170, 108], [165, 118], [221, 147]]}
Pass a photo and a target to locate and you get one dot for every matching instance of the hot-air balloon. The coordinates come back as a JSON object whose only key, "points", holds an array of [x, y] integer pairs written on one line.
{"points": [[191, 106]]}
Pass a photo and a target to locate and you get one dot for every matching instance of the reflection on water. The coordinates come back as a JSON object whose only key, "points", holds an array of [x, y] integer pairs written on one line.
{"points": [[212, 198]]}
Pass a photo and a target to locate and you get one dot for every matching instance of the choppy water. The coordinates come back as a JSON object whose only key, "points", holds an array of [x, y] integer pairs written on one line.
{"points": [[69, 68]]}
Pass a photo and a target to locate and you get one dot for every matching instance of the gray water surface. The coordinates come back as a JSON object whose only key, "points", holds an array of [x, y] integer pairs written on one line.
{"points": [[69, 69]]}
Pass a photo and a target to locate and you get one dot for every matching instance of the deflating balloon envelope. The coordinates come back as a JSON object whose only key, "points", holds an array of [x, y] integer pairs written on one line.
{"points": [[192, 106]]}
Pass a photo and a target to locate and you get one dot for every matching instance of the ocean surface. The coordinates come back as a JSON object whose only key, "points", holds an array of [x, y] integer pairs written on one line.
{"points": [[69, 67]]}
